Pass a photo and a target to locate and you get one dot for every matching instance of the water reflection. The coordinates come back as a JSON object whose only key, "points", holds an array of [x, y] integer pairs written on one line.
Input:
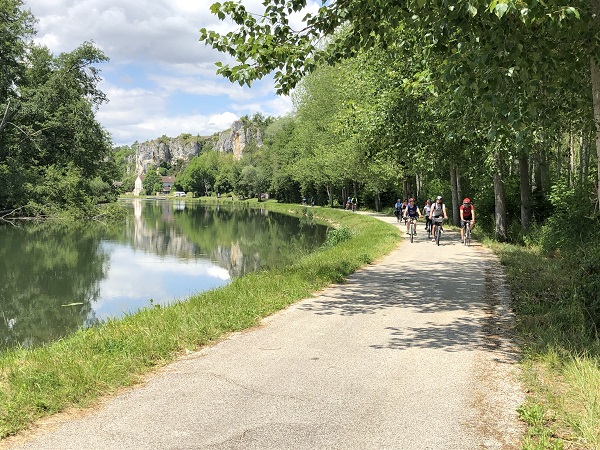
{"points": [[59, 278]]}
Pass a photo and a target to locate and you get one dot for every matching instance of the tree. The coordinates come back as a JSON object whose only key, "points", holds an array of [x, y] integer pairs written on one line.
{"points": [[201, 173], [16, 29], [511, 60], [152, 181]]}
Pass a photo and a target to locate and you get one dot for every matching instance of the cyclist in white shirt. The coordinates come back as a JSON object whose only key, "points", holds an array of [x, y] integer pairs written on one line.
{"points": [[438, 214]]}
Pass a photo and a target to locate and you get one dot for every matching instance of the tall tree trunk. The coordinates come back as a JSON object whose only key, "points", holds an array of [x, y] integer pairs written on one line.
{"points": [[582, 147], [558, 161], [453, 187], [330, 194], [377, 202], [586, 160], [525, 191], [4, 121], [500, 208], [537, 168], [459, 190], [595, 75], [544, 172], [499, 203], [571, 174]]}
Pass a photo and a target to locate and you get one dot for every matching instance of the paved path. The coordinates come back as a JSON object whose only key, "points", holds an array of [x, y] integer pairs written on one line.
{"points": [[410, 353]]}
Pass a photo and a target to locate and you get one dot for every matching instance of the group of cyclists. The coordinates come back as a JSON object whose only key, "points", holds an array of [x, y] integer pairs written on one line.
{"points": [[435, 214]]}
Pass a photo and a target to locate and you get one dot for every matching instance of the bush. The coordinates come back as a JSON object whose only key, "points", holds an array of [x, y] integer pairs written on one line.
{"points": [[587, 285], [570, 225], [336, 236]]}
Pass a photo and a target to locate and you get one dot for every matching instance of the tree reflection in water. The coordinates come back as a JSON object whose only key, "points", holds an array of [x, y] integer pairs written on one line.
{"points": [[59, 278]]}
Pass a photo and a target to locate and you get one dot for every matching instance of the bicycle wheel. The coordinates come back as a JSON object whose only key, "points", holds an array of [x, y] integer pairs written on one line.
{"points": [[467, 235], [412, 231], [429, 230], [438, 232]]}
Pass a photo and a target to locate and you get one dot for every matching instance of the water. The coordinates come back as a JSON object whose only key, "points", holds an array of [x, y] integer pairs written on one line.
{"points": [[59, 278]]}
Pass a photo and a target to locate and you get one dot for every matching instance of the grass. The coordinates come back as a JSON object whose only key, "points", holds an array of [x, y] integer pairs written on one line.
{"points": [[561, 358], [76, 371]]}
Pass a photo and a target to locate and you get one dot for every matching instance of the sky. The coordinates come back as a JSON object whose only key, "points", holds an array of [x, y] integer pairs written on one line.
{"points": [[160, 80]]}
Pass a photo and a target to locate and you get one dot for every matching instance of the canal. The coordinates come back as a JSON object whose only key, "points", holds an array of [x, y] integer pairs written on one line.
{"points": [[59, 278]]}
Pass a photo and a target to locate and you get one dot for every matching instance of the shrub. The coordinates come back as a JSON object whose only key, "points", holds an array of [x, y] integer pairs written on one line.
{"points": [[336, 236]]}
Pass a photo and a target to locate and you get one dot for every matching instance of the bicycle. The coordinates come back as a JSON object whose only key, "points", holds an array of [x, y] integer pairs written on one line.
{"points": [[438, 230], [398, 215], [411, 229], [428, 227], [467, 225]]}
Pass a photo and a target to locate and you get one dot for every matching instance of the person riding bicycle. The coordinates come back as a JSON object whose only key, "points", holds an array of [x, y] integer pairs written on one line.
{"points": [[467, 215], [438, 214], [412, 212], [398, 209], [404, 205], [426, 212]]}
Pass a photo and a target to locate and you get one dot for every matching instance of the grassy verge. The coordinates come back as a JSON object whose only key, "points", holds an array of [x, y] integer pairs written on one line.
{"points": [[561, 363], [95, 362]]}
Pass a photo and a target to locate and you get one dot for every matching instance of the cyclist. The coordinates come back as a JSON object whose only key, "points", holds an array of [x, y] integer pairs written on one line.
{"points": [[404, 205], [437, 214], [412, 212], [354, 203], [426, 212], [398, 209], [467, 216]]}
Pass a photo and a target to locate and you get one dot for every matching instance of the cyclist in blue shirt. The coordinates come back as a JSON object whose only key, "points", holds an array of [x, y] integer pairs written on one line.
{"points": [[412, 212], [398, 209]]}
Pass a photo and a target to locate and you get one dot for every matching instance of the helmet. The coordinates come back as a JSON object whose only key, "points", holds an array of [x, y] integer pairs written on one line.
{"points": [[439, 197], [467, 200], [411, 199]]}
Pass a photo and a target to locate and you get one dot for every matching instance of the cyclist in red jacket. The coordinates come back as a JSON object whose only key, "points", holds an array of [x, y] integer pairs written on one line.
{"points": [[467, 215]]}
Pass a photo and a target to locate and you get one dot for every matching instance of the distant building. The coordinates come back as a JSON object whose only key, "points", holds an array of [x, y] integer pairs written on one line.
{"points": [[167, 183]]}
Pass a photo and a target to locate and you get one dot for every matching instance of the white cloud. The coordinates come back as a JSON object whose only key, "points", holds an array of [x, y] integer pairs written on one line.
{"points": [[156, 60]]}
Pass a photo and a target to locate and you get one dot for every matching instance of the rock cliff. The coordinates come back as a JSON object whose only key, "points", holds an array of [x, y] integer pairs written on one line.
{"points": [[166, 150], [238, 137], [185, 147]]}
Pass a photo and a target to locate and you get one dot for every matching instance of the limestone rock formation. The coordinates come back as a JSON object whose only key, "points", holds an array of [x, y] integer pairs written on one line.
{"points": [[165, 150], [238, 137], [185, 147]]}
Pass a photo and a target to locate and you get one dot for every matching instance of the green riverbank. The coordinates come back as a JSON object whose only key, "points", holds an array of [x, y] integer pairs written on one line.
{"points": [[76, 371], [560, 352]]}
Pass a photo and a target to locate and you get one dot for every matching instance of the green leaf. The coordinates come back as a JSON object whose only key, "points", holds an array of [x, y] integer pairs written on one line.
{"points": [[573, 11], [501, 9]]}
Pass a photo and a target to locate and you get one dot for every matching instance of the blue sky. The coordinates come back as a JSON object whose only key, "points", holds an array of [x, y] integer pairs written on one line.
{"points": [[160, 79]]}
